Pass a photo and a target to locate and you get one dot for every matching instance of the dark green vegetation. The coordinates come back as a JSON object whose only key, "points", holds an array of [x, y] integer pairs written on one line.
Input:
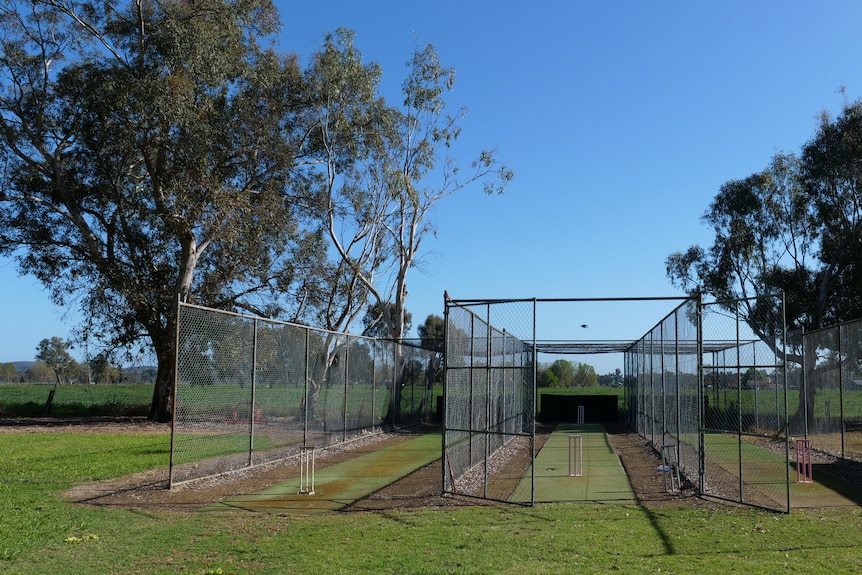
{"points": [[75, 400], [41, 533], [792, 227], [162, 151]]}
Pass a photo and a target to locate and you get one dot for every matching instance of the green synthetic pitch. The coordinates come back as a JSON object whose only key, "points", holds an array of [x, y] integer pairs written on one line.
{"points": [[766, 472], [603, 478], [339, 485]]}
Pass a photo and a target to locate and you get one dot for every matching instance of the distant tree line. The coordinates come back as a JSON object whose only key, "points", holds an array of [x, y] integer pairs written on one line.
{"points": [[563, 373], [54, 364]]}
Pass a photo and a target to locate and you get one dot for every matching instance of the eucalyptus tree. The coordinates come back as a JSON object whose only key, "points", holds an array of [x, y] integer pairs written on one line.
{"points": [[432, 333], [831, 172], [54, 353], [384, 167], [148, 151], [795, 227], [8, 373], [374, 324], [381, 170], [764, 242]]}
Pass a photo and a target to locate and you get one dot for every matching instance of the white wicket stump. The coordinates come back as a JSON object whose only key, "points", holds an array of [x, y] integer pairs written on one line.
{"points": [[306, 471], [580, 415], [576, 455]]}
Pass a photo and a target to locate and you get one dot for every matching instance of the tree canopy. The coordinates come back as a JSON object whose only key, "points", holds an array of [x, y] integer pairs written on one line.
{"points": [[432, 332], [795, 226], [161, 151], [54, 353], [563, 373]]}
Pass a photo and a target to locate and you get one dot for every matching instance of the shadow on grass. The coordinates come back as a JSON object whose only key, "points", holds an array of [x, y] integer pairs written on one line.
{"points": [[843, 476]]}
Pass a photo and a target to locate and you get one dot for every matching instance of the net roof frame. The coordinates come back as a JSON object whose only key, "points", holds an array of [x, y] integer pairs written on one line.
{"points": [[594, 347], [591, 347]]}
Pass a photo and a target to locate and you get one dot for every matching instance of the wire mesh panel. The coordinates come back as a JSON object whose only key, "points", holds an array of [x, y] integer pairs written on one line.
{"points": [[214, 395], [489, 395], [795, 376], [690, 403], [384, 380], [251, 390], [743, 433], [825, 388], [823, 360], [664, 364], [851, 380], [279, 387]]}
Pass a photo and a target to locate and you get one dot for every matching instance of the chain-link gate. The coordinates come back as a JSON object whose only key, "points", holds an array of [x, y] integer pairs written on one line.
{"points": [[251, 390], [489, 397]]}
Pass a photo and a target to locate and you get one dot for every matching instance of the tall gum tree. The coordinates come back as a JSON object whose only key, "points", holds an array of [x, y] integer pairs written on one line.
{"points": [[146, 151], [381, 169], [795, 227]]}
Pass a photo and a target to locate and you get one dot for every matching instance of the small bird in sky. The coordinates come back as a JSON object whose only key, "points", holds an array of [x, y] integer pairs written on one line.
{"points": [[585, 326]]}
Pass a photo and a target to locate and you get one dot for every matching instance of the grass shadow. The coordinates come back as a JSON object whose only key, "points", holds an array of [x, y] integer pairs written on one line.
{"points": [[841, 476]]}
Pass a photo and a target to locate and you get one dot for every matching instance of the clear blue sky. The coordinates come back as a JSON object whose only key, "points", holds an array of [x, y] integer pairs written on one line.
{"points": [[620, 119]]}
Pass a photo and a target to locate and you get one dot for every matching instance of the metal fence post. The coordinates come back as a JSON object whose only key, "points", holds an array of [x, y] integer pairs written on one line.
{"points": [[251, 407], [305, 390], [739, 409], [701, 440], [840, 331]]}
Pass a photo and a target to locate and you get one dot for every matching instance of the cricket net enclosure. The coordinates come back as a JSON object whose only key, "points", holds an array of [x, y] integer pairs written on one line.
{"points": [[250, 390], [706, 386]]}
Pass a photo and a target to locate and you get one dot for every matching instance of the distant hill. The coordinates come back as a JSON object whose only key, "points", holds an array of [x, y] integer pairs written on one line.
{"points": [[23, 365]]}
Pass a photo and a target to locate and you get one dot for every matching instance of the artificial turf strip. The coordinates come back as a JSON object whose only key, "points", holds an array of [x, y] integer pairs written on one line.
{"points": [[340, 485], [603, 480], [766, 475]]}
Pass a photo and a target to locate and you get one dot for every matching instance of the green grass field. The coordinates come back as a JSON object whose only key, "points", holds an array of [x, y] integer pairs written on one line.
{"points": [[18, 400], [41, 533]]}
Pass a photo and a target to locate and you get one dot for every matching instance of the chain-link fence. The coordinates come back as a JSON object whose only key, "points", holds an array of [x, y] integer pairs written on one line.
{"points": [[825, 401], [252, 390], [744, 428], [707, 387], [489, 395], [662, 393]]}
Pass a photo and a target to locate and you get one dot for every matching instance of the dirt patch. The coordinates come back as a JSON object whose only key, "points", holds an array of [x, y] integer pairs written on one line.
{"points": [[421, 489], [81, 425], [641, 463]]}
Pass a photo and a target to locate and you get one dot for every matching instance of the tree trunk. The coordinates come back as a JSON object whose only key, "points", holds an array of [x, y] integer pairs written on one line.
{"points": [[161, 409], [393, 414], [807, 391]]}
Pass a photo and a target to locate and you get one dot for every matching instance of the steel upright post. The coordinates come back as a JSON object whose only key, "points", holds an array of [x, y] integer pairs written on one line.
{"points": [[841, 388], [700, 393], [488, 362], [533, 415], [251, 409]]}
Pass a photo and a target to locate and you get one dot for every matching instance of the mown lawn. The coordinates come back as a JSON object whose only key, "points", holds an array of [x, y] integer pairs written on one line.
{"points": [[42, 533], [18, 400]]}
